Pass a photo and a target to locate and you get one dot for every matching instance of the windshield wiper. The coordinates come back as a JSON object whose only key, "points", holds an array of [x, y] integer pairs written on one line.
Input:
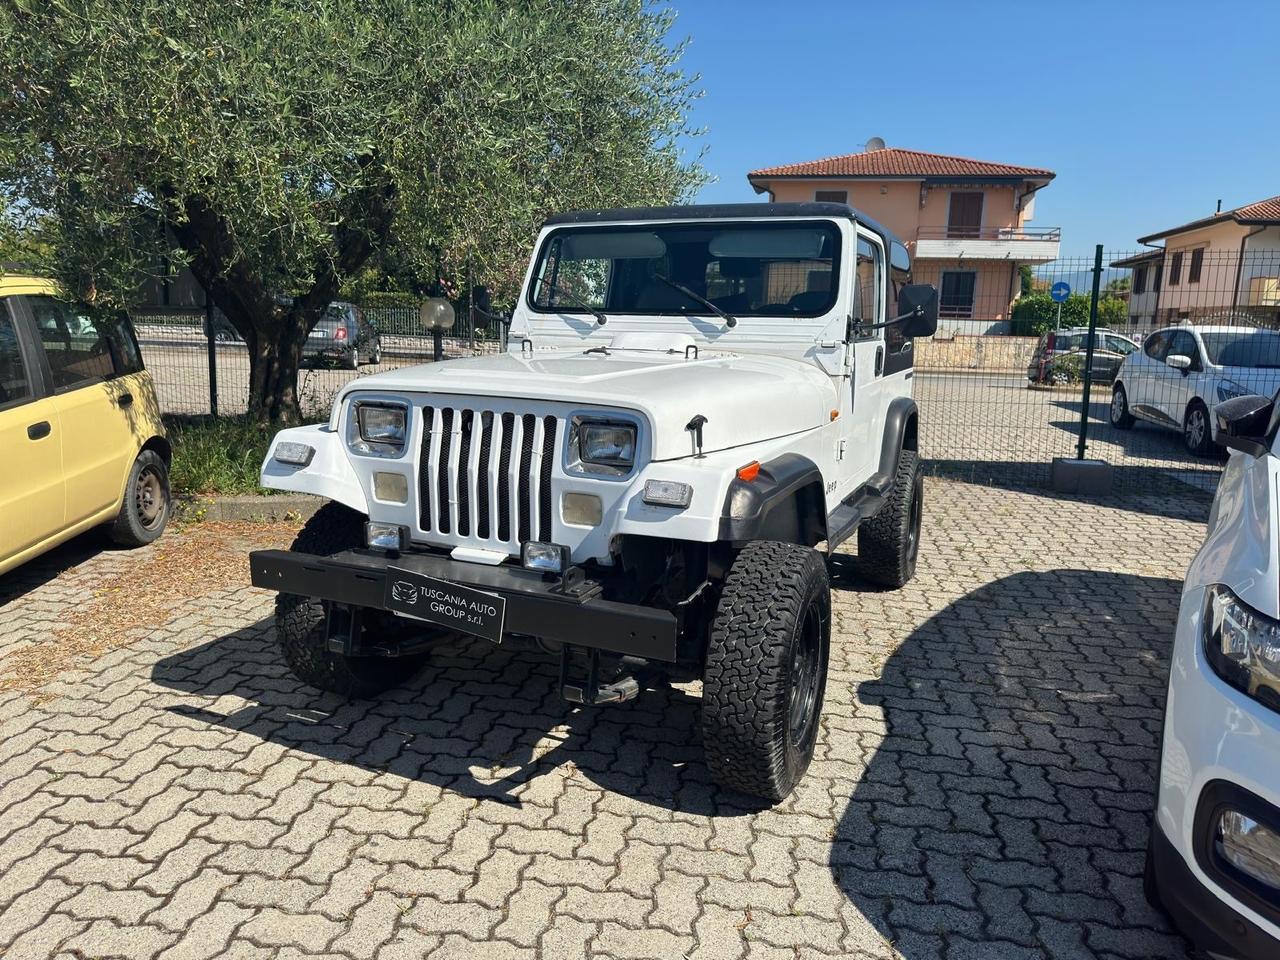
{"points": [[573, 298], [729, 319]]}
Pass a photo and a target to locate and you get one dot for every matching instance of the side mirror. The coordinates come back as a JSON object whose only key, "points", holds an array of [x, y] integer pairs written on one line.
{"points": [[920, 299], [1242, 423], [1179, 361]]}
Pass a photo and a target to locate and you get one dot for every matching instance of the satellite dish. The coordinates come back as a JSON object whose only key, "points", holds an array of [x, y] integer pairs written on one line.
{"points": [[874, 144]]}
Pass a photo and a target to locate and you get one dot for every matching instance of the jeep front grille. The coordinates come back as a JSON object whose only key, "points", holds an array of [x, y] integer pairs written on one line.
{"points": [[470, 463]]}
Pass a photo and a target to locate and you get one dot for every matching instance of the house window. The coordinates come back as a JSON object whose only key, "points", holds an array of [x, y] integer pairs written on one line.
{"points": [[1197, 262], [964, 217], [1140, 280], [1155, 283], [831, 196], [1175, 269], [956, 300]]}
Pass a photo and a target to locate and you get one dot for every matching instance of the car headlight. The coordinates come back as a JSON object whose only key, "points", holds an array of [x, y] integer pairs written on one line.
{"points": [[602, 447], [1243, 646], [1229, 390], [378, 428]]}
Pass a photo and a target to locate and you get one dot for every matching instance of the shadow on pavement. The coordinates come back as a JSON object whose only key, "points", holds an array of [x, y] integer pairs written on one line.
{"points": [[483, 721], [1008, 802], [35, 573], [1167, 491]]}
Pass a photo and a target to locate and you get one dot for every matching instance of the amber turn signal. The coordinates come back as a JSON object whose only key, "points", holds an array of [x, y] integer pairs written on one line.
{"points": [[749, 472]]}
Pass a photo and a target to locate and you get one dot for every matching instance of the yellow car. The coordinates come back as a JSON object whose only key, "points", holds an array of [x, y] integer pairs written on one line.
{"points": [[81, 442]]}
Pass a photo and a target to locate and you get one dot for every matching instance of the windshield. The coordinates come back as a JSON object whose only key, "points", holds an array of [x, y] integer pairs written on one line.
{"points": [[1243, 348], [746, 269]]}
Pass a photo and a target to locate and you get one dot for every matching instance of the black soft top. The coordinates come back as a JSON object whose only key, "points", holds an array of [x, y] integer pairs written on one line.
{"points": [[723, 211]]}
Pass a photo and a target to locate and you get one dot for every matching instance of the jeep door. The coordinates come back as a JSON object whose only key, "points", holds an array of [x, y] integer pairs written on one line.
{"points": [[866, 351], [32, 493]]}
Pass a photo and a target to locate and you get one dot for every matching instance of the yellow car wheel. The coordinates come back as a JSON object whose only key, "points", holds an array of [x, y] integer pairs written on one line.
{"points": [[146, 506]]}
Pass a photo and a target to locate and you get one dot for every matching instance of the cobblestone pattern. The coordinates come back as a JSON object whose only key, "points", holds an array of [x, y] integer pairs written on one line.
{"points": [[981, 788]]}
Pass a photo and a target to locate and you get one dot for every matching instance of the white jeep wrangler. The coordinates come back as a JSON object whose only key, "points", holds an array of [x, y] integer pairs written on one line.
{"points": [[695, 404]]}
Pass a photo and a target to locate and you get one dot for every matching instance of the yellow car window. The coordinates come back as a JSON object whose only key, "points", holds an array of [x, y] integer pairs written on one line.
{"points": [[83, 344], [14, 384]]}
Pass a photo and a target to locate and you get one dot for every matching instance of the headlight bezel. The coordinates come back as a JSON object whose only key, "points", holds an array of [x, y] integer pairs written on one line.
{"points": [[364, 441], [1227, 389], [579, 460], [1235, 639]]}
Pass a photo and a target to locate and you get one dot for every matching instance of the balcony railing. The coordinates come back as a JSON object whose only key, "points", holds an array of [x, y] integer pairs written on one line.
{"points": [[957, 232]]}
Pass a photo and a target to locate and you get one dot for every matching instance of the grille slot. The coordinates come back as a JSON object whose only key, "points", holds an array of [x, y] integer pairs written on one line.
{"points": [[484, 476]]}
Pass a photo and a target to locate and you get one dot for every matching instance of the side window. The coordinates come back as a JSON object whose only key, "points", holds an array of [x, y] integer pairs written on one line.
{"points": [[15, 386], [869, 285], [1156, 345], [82, 344], [1185, 344], [1119, 345]]}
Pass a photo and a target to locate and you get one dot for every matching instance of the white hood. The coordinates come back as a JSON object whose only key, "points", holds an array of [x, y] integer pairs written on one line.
{"points": [[1261, 380], [745, 398]]}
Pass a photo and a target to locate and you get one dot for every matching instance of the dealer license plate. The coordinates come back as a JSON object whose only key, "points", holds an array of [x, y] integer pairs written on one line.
{"points": [[445, 604]]}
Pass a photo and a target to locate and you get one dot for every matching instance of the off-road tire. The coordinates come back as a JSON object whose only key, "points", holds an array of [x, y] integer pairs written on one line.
{"points": [[889, 542], [1118, 413], [300, 621], [770, 636], [353, 361], [145, 508], [376, 357], [1204, 446]]}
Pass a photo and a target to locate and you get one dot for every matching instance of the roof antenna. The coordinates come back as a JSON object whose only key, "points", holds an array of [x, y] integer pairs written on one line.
{"points": [[1219, 205]]}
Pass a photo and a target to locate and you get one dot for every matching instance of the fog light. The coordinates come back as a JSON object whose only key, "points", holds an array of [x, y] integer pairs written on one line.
{"points": [[385, 536], [1251, 847], [584, 509], [667, 493], [544, 557], [294, 454], [391, 487]]}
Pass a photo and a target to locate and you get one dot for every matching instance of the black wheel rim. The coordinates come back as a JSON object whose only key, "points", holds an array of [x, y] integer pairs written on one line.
{"points": [[148, 497], [915, 512], [805, 666]]}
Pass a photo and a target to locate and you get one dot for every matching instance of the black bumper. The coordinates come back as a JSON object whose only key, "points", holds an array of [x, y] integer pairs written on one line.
{"points": [[535, 608], [1200, 913]]}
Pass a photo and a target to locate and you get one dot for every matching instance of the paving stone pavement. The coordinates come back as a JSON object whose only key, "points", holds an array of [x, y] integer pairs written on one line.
{"points": [[981, 787]]}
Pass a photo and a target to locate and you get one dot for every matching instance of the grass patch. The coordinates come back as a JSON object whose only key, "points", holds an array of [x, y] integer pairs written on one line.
{"points": [[216, 454]]}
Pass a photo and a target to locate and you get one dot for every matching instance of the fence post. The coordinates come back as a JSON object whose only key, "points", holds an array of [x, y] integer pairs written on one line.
{"points": [[211, 349], [1088, 353]]}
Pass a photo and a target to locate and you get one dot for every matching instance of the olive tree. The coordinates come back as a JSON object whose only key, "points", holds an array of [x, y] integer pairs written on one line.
{"points": [[276, 146]]}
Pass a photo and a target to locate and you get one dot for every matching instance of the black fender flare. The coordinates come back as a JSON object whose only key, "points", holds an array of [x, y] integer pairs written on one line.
{"points": [[901, 432], [786, 501]]}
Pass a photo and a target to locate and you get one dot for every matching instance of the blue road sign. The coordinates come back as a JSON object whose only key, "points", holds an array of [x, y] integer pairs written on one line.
{"points": [[1060, 291]]}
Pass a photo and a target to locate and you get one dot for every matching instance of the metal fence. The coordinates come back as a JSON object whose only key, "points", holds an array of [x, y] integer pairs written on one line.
{"points": [[1001, 386], [200, 374]]}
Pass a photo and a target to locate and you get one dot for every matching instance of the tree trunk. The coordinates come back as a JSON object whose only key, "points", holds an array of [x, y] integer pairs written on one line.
{"points": [[273, 378]]}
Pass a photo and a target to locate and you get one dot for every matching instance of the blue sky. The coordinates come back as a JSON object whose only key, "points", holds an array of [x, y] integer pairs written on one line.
{"points": [[1148, 112]]}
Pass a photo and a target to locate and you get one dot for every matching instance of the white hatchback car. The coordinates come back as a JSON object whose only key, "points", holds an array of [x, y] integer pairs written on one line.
{"points": [[1181, 372], [1214, 858]]}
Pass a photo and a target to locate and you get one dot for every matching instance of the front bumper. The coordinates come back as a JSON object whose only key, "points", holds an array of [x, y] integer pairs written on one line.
{"points": [[535, 606], [1200, 912]]}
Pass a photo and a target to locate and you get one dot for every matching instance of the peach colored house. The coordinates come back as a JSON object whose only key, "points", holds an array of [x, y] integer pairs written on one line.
{"points": [[1221, 267], [964, 221]]}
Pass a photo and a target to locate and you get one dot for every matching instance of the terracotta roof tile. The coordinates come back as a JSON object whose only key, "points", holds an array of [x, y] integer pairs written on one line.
{"points": [[899, 162], [1259, 212]]}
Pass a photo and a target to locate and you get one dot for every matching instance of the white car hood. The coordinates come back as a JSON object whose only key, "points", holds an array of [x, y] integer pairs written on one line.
{"points": [[745, 398]]}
